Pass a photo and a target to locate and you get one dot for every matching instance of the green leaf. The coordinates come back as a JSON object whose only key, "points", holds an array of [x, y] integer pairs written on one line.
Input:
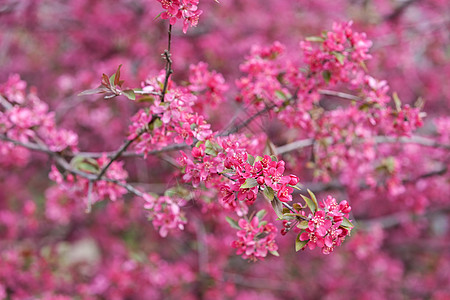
{"points": [[84, 164], [398, 103], [277, 207], [258, 158], [313, 198], [105, 81], [117, 76], [233, 223], [339, 56], [297, 206], [112, 79], [156, 123], [178, 191], [274, 253], [269, 193], [250, 159], [326, 76], [129, 94], [157, 16], [209, 148], [300, 244], [260, 214], [346, 223], [98, 90], [87, 167], [303, 224], [280, 95], [310, 203], [249, 183], [212, 148], [316, 39], [229, 171], [296, 187]]}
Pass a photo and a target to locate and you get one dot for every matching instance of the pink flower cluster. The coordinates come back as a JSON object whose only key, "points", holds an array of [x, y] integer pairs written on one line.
{"points": [[77, 187], [165, 213], [325, 229], [261, 86], [181, 9], [255, 239], [262, 173], [340, 56], [208, 86], [168, 122], [26, 118], [242, 174]]}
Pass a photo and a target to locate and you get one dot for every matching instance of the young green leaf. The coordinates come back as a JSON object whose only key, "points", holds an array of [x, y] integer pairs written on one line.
{"points": [[117, 75], [274, 253], [346, 223], [268, 193], [339, 56], [249, 183], [233, 223], [98, 90], [310, 203], [313, 198], [303, 224], [129, 94], [277, 207], [260, 214], [326, 76], [299, 244], [316, 39], [250, 159]]}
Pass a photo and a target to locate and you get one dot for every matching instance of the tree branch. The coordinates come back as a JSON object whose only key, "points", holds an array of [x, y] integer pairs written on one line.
{"points": [[167, 57], [423, 141], [118, 154]]}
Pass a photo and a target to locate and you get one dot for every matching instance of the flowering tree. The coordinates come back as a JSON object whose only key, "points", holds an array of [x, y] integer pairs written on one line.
{"points": [[288, 145]]}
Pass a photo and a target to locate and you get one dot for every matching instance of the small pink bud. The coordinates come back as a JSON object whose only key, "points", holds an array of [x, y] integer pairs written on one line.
{"points": [[294, 180], [260, 180], [344, 207]]}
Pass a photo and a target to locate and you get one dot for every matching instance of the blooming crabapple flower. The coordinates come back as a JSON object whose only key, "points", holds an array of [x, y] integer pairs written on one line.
{"points": [[319, 223], [76, 187], [165, 213], [190, 19], [181, 9], [227, 195], [198, 152], [285, 193], [255, 240], [209, 86], [324, 227], [14, 89], [184, 134]]}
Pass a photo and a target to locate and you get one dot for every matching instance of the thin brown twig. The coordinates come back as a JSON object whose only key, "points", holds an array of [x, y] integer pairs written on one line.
{"points": [[110, 154], [118, 154], [168, 58]]}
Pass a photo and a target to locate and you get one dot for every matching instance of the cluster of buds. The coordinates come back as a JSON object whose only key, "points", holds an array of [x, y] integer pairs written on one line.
{"points": [[165, 213]]}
